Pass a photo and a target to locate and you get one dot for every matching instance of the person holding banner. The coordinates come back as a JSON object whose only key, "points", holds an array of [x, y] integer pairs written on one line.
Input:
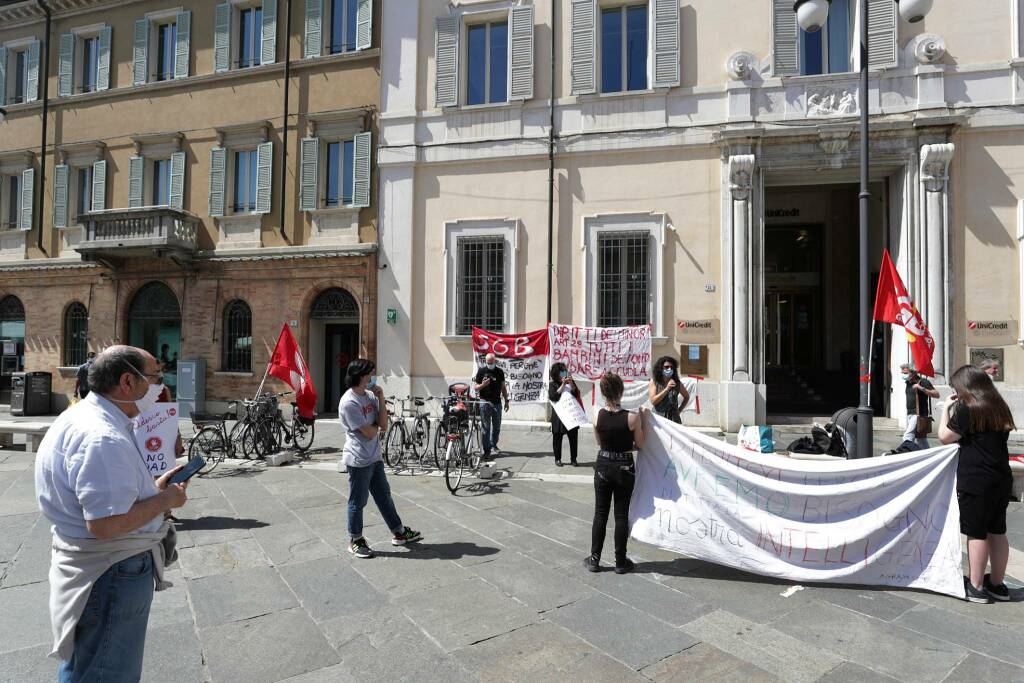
{"points": [[489, 385], [920, 391], [666, 390], [561, 383], [619, 433], [979, 420]]}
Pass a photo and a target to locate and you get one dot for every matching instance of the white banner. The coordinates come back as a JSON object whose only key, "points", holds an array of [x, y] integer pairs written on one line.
{"points": [[589, 352], [570, 412], [890, 521], [525, 378], [156, 433]]}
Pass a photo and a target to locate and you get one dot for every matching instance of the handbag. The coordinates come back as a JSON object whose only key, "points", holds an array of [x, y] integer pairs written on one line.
{"points": [[924, 424]]}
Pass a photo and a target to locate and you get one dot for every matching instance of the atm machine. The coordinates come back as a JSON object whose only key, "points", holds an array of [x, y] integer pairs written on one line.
{"points": [[12, 360]]}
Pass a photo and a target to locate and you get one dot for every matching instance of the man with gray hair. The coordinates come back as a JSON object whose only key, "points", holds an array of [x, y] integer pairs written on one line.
{"points": [[990, 367], [110, 539], [919, 391]]}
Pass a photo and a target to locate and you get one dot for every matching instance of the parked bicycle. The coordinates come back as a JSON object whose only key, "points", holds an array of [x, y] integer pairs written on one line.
{"points": [[270, 432], [401, 442], [212, 439], [468, 427]]}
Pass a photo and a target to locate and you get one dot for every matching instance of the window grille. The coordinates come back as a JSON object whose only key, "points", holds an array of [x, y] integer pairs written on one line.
{"points": [[623, 280], [237, 337], [76, 334], [481, 285]]}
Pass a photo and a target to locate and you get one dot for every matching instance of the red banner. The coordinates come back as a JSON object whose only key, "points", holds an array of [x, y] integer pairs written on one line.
{"points": [[510, 345], [287, 364], [522, 357], [893, 305]]}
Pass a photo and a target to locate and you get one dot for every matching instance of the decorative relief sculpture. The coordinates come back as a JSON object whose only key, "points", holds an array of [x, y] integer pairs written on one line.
{"points": [[928, 48], [740, 168], [741, 66], [829, 102], [935, 166]]}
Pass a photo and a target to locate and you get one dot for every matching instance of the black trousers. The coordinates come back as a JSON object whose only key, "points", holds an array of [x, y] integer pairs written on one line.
{"points": [[556, 444], [613, 481]]}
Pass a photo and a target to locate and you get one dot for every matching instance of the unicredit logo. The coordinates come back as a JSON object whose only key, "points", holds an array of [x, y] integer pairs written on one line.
{"points": [[999, 327]]}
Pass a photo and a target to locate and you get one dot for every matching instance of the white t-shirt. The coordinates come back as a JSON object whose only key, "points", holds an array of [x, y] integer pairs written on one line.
{"points": [[355, 411]]}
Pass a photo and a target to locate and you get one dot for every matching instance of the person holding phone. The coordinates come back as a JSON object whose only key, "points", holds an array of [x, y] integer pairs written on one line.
{"points": [[110, 540], [666, 390], [489, 385], [561, 383], [977, 418]]}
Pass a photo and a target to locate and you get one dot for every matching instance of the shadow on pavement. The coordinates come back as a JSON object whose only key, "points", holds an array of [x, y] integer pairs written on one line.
{"points": [[440, 551], [218, 523], [481, 488]]}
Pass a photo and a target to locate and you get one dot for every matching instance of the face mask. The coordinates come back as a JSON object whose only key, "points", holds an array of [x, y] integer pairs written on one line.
{"points": [[491, 366], [149, 399], [564, 374], [668, 372], [906, 377], [372, 382]]}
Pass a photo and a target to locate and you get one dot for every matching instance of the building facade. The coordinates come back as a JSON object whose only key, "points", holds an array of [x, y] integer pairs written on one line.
{"points": [[207, 176], [705, 166]]}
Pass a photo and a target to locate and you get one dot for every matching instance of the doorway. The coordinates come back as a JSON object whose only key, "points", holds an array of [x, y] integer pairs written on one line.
{"points": [[154, 324], [334, 337], [12, 343], [341, 346]]}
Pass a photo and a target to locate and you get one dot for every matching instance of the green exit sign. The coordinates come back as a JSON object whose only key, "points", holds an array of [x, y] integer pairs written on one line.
{"points": [[392, 316]]}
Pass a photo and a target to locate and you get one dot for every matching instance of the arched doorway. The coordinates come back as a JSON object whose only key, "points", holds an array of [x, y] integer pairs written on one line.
{"points": [[12, 343], [333, 342], [154, 324]]}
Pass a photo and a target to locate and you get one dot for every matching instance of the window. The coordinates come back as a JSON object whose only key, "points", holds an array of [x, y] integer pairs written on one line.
{"points": [[481, 284], [250, 22], [166, 37], [83, 189], [76, 334], [343, 26], [624, 48], [90, 63], [83, 64], [339, 176], [828, 50], [161, 182], [19, 76], [245, 181], [487, 63], [11, 202], [623, 279], [237, 339]]}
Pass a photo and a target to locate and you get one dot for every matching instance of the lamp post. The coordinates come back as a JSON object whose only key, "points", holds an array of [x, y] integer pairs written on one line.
{"points": [[811, 16]]}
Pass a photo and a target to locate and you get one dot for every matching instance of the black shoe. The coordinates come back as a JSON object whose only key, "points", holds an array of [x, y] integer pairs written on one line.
{"points": [[592, 563], [360, 549], [558, 463], [981, 596], [1000, 592], [625, 566]]}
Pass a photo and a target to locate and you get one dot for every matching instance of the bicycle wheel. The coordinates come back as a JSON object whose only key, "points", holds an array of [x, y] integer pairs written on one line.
{"points": [[209, 443], [234, 443], [440, 443], [394, 445], [454, 463], [264, 439], [420, 437], [302, 433], [248, 440], [474, 445]]}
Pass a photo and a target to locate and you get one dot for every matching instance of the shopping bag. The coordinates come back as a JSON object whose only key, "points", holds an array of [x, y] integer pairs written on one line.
{"points": [[757, 439]]}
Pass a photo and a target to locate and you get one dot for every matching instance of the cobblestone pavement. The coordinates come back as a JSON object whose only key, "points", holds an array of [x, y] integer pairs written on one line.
{"points": [[265, 591]]}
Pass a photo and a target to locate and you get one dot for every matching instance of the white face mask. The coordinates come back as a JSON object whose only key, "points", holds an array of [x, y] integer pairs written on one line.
{"points": [[491, 366], [149, 399], [667, 372]]}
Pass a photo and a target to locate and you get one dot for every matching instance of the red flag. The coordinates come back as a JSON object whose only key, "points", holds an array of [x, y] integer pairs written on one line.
{"points": [[893, 305], [287, 365]]}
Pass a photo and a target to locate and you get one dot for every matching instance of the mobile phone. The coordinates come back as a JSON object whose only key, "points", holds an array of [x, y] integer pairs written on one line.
{"points": [[191, 468]]}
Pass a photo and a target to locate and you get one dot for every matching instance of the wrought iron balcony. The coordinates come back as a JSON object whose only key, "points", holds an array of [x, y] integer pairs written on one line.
{"points": [[146, 231]]}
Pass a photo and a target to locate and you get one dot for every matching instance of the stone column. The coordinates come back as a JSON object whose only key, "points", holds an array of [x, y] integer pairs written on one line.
{"points": [[935, 180], [740, 170]]}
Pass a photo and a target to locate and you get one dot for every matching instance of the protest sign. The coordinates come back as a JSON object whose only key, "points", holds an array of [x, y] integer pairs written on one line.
{"points": [[156, 433], [522, 357], [589, 352], [890, 521], [569, 411]]}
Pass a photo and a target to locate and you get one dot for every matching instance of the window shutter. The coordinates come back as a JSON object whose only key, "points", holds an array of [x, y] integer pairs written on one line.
{"points": [[177, 195], [881, 34], [446, 58], [31, 73], [99, 186], [521, 62], [364, 25], [666, 43], [222, 37], [3, 75], [361, 170], [65, 66], [60, 196], [135, 170], [584, 47], [140, 54], [312, 44], [218, 162], [309, 173], [264, 176], [28, 178], [103, 62], [786, 38], [182, 44], [268, 42]]}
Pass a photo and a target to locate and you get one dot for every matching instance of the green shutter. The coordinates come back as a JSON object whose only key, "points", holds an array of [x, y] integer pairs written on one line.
{"points": [[364, 25], [99, 186], [103, 62], [882, 52], [218, 163], [313, 43], [31, 72], [786, 38], [65, 66], [136, 166], [222, 37], [583, 49], [446, 61], [3, 75], [182, 43], [60, 196], [521, 50], [309, 173], [140, 52], [176, 199], [666, 44], [264, 176], [361, 170], [268, 42], [28, 182]]}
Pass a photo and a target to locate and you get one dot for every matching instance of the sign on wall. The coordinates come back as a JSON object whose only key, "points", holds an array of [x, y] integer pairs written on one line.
{"points": [[992, 332], [698, 331]]}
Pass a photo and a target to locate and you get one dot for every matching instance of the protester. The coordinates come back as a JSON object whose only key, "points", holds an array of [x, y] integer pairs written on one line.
{"points": [[561, 382], [489, 385], [110, 540], [82, 376], [979, 420], [364, 416], [919, 392], [618, 433], [990, 367], [666, 390]]}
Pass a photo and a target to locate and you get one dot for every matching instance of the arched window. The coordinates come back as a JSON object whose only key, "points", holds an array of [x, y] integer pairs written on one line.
{"points": [[76, 334], [334, 304], [12, 311], [237, 337]]}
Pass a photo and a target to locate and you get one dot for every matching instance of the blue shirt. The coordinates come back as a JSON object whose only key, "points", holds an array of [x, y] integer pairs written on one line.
{"points": [[89, 467]]}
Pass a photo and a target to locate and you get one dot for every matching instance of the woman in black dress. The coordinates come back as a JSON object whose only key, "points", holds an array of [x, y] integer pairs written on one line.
{"points": [[619, 433], [979, 420], [666, 390], [561, 383]]}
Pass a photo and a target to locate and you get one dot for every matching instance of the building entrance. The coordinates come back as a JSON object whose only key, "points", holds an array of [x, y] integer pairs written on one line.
{"points": [[333, 343]]}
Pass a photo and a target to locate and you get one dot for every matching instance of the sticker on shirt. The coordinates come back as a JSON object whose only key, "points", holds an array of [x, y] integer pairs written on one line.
{"points": [[156, 433]]}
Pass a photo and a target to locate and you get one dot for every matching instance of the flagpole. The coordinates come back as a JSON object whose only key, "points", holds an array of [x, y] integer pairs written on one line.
{"points": [[260, 389]]}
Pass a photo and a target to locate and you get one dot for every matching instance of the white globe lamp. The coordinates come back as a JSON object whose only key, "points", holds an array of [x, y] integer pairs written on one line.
{"points": [[811, 14], [914, 11]]}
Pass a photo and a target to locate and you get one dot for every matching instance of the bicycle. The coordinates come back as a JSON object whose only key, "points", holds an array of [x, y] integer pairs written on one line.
{"points": [[399, 440], [212, 440], [456, 461], [270, 431]]}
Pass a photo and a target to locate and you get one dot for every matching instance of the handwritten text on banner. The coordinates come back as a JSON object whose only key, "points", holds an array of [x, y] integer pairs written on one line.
{"points": [[156, 433], [523, 359], [589, 352]]}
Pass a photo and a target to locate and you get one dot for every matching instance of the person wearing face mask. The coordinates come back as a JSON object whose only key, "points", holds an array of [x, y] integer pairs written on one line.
{"points": [[110, 540], [561, 382], [666, 391], [920, 391], [489, 384]]}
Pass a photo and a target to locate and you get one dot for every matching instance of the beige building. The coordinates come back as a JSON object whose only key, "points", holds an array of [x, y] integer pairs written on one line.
{"points": [[705, 159], [161, 187]]}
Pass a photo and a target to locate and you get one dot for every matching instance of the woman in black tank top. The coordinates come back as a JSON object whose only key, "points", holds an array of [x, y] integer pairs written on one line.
{"points": [[618, 433]]}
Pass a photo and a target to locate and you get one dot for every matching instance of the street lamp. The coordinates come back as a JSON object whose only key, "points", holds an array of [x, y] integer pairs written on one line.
{"points": [[811, 15]]}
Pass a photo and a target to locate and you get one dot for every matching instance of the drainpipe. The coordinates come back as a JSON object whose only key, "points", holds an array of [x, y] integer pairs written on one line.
{"points": [[551, 165], [284, 123], [46, 111]]}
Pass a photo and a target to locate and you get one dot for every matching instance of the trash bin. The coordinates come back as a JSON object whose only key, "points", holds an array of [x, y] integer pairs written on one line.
{"points": [[18, 393], [30, 393]]}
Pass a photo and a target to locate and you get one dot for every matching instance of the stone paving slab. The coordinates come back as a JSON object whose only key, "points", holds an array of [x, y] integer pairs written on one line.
{"points": [[237, 595], [704, 662], [530, 582]]}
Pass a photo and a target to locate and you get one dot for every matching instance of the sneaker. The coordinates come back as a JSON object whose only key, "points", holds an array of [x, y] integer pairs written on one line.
{"points": [[360, 549], [406, 535], [558, 463], [624, 567], [593, 564], [975, 595], [1000, 592]]}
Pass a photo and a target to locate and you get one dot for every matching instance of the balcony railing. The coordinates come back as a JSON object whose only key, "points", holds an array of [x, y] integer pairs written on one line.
{"points": [[142, 231]]}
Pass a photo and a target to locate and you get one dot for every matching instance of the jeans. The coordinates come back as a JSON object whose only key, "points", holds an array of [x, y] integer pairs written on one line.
{"points": [[363, 481], [612, 481], [911, 433], [556, 444], [490, 421], [111, 633]]}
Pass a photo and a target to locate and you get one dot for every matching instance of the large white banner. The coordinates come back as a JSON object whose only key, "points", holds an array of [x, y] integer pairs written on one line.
{"points": [[523, 359], [156, 433], [883, 521], [589, 352]]}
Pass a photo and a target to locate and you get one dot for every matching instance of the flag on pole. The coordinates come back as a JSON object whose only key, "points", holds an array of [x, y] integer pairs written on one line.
{"points": [[893, 305], [287, 365]]}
